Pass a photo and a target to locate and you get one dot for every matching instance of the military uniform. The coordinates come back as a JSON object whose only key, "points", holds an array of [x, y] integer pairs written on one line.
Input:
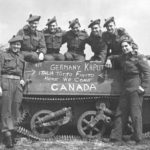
{"points": [[76, 45], [53, 42], [33, 41], [97, 44], [135, 72], [75, 42], [33, 44], [11, 70], [113, 41]]}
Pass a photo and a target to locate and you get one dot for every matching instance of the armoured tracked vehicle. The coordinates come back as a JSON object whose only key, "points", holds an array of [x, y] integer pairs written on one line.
{"points": [[71, 96]]}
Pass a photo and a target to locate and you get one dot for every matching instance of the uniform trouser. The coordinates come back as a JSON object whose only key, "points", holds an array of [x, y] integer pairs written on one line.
{"points": [[72, 56], [31, 56], [11, 101], [54, 56], [129, 104]]}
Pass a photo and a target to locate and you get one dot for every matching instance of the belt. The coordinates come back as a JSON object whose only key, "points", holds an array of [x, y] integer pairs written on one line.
{"points": [[11, 77]]}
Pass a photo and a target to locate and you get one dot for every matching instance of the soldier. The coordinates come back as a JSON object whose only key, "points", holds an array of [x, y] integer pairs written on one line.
{"points": [[76, 40], [96, 42], [112, 37], [136, 77], [53, 38], [11, 82], [33, 46]]}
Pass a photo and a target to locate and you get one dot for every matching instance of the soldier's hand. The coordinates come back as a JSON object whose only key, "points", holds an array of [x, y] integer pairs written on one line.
{"points": [[22, 82], [1, 91], [141, 90], [108, 63], [41, 56]]}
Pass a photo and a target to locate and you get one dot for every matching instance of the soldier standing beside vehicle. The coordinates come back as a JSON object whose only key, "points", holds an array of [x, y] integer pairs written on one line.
{"points": [[33, 46], [53, 38], [76, 40], [96, 42], [136, 77], [113, 36], [11, 82]]}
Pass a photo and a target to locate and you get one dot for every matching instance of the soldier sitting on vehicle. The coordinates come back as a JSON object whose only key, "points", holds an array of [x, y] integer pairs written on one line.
{"points": [[76, 40], [33, 46], [136, 77], [53, 38], [96, 42], [11, 82], [113, 36]]}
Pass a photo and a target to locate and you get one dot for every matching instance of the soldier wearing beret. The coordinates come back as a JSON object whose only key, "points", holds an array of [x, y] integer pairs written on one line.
{"points": [[112, 37], [96, 42], [136, 77], [11, 82], [33, 46], [76, 40], [53, 38]]}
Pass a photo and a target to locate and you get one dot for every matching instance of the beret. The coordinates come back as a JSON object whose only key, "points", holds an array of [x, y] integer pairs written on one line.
{"points": [[73, 22], [49, 21], [97, 21], [33, 18], [107, 21], [16, 38]]}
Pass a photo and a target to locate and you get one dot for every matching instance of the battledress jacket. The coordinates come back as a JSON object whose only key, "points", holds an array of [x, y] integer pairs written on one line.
{"points": [[113, 41], [32, 41], [11, 64], [76, 42], [98, 45], [53, 40], [135, 71]]}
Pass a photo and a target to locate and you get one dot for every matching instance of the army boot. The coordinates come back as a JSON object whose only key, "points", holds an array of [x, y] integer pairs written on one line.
{"points": [[8, 139]]}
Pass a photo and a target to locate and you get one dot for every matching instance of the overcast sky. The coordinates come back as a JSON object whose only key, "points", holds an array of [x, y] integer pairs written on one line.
{"points": [[133, 15]]}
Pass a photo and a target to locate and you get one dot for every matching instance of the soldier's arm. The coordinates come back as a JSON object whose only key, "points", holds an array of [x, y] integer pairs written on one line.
{"points": [[42, 44], [64, 37], [103, 51], [144, 69]]}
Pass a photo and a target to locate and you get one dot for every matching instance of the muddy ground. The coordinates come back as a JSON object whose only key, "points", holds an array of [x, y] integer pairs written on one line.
{"points": [[26, 144]]}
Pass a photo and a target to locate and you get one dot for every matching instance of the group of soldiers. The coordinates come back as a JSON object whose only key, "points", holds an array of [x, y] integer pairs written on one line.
{"points": [[114, 46], [46, 44]]}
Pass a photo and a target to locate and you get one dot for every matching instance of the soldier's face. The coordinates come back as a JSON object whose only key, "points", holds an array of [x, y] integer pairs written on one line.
{"points": [[95, 29], [33, 25], [126, 47], [111, 27], [76, 28], [15, 47], [52, 27]]}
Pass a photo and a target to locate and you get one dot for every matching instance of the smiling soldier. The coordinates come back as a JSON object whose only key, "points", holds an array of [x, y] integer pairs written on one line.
{"points": [[11, 82], [53, 38], [113, 36], [96, 42], [33, 45]]}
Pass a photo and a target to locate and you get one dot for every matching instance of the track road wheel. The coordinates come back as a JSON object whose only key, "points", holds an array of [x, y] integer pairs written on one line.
{"points": [[86, 130], [44, 130]]}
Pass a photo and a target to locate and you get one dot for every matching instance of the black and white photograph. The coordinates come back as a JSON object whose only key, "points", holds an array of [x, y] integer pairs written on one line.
{"points": [[74, 75]]}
